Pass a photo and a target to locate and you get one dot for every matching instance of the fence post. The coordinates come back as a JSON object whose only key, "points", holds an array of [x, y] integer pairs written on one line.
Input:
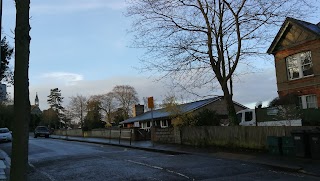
{"points": [[119, 136], [130, 136], [110, 136]]}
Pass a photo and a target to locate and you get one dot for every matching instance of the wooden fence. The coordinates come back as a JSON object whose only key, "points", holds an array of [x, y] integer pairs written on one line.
{"points": [[231, 136], [110, 133]]}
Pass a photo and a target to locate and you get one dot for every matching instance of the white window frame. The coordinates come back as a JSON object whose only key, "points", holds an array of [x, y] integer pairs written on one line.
{"points": [[144, 125], [295, 63], [164, 123], [308, 101]]}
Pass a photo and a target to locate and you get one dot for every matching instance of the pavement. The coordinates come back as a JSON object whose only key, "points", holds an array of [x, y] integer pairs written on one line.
{"points": [[284, 163], [4, 166]]}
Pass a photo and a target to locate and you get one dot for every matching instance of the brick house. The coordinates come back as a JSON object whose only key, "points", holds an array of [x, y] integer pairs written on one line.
{"points": [[162, 118], [296, 50]]}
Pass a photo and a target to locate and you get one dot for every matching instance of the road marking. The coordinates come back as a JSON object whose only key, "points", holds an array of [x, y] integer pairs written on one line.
{"points": [[139, 163], [44, 173], [152, 178], [6, 157], [160, 168], [288, 173]]}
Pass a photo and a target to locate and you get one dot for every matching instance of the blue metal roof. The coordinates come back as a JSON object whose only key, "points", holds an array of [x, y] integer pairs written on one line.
{"points": [[162, 113]]}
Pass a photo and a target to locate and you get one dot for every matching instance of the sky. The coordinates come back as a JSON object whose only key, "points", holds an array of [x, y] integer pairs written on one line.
{"points": [[83, 47]]}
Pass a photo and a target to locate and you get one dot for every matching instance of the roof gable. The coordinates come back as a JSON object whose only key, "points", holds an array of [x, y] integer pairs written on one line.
{"points": [[294, 32]]}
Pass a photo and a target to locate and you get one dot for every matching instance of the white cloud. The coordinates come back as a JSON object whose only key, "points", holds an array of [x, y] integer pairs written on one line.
{"points": [[256, 87], [251, 89], [144, 86], [68, 79]]}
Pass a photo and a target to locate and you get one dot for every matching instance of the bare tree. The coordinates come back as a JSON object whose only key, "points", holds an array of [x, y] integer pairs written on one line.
{"points": [[199, 41], [19, 161], [108, 104], [127, 96], [77, 107]]}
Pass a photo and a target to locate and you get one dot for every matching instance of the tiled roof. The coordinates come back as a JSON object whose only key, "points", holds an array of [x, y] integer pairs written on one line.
{"points": [[184, 108]]}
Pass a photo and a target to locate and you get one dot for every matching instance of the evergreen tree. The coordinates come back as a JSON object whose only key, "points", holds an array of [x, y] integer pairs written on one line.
{"points": [[6, 73], [54, 100]]}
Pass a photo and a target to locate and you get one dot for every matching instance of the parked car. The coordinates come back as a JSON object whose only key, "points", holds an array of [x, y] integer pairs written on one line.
{"points": [[41, 131], [5, 134]]}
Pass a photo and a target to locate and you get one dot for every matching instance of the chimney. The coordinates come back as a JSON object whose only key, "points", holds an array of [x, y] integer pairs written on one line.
{"points": [[138, 110]]}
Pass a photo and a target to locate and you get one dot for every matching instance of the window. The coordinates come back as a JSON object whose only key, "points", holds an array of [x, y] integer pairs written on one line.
{"points": [[143, 125], [299, 65], [248, 116], [164, 124], [308, 101]]}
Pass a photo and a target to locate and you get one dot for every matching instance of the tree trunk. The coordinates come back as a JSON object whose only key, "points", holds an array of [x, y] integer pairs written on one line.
{"points": [[230, 106], [19, 161]]}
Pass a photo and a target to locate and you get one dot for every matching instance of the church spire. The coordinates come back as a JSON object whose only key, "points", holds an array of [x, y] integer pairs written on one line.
{"points": [[36, 100]]}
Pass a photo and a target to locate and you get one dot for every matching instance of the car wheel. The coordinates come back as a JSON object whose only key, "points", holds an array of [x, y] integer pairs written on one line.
{"points": [[47, 136], [35, 136]]}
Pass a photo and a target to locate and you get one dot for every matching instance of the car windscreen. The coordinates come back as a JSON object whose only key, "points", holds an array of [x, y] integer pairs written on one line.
{"points": [[42, 129], [4, 130]]}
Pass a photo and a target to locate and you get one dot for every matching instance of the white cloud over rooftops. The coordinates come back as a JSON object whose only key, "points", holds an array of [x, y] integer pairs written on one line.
{"points": [[67, 78], [251, 89]]}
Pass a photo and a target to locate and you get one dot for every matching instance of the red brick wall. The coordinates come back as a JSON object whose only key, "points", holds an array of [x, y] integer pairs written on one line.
{"points": [[304, 86]]}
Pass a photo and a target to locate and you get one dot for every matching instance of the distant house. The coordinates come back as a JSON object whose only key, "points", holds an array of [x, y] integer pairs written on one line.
{"points": [[296, 50], [162, 118]]}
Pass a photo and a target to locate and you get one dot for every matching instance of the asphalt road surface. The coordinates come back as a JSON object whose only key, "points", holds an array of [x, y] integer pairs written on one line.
{"points": [[56, 160]]}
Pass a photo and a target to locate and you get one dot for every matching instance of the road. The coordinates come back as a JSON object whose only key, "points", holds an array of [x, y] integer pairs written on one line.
{"points": [[56, 160]]}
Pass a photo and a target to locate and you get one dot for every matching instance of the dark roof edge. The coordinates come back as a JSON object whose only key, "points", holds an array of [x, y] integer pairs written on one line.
{"points": [[240, 105], [283, 28], [214, 99]]}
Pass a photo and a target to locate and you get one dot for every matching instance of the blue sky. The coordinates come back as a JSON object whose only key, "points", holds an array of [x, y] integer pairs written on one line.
{"points": [[82, 47]]}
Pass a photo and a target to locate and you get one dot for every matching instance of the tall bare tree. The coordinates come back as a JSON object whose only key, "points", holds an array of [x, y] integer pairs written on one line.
{"points": [[108, 104], [127, 96], [19, 161], [77, 107], [199, 41]]}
